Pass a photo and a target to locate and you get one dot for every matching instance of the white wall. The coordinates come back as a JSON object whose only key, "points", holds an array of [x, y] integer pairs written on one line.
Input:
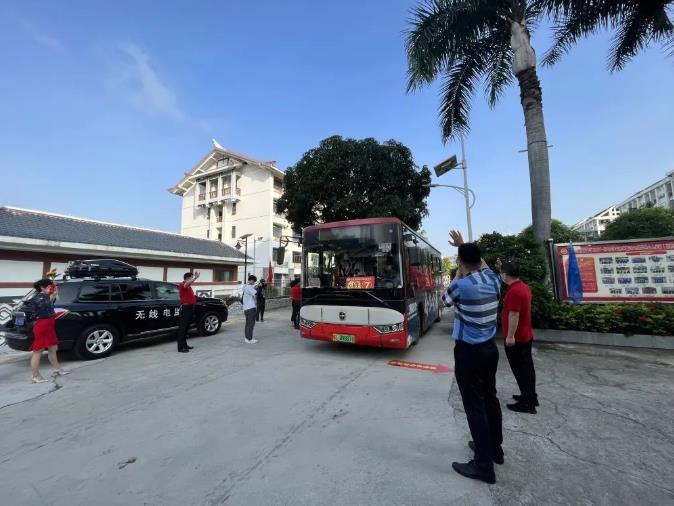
{"points": [[175, 274], [153, 273], [18, 271]]}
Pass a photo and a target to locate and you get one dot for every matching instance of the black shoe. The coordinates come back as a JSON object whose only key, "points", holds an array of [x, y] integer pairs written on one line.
{"points": [[184, 350], [518, 398], [521, 407], [498, 457], [188, 347], [470, 470]]}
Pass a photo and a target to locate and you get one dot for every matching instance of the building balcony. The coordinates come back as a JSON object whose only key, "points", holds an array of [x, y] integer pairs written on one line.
{"points": [[227, 192], [202, 197]]}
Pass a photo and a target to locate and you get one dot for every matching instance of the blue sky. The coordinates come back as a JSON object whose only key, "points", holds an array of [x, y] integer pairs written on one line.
{"points": [[106, 104]]}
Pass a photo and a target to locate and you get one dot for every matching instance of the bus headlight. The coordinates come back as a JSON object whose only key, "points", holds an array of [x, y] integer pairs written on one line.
{"points": [[387, 329], [307, 323]]}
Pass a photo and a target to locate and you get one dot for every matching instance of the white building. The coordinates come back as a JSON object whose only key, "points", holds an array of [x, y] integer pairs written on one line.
{"points": [[594, 226], [226, 196], [659, 194]]}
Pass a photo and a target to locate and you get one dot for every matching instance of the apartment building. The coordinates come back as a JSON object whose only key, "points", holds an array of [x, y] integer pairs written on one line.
{"points": [[594, 226], [227, 196], [659, 194]]}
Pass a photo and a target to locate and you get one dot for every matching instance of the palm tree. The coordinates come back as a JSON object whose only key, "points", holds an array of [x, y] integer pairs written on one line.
{"points": [[635, 23], [466, 41]]}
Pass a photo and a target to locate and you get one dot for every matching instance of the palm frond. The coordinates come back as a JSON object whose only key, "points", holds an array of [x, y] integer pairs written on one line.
{"points": [[439, 31]]}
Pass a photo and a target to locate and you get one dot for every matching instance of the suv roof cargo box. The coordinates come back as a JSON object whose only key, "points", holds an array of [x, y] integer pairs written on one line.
{"points": [[102, 268]]}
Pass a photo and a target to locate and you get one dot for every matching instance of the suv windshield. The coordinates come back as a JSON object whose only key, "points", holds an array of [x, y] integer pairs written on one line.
{"points": [[355, 257]]}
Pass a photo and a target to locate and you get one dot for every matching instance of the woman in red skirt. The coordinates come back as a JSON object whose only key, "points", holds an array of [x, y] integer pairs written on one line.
{"points": [[44, 334]]}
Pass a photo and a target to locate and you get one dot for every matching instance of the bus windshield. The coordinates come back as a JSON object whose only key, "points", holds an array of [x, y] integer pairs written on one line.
{"points": [[353, 257]]}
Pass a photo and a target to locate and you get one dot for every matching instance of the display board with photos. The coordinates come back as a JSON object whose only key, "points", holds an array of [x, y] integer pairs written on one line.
{"points": [[637, 271]]}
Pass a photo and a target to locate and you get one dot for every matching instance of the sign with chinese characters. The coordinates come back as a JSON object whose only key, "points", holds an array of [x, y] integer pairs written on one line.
{"points": [[639, 271], [153, 314], [360, 282]]}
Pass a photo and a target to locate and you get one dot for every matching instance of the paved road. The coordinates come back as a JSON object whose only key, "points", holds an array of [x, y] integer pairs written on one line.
{"points": [[286, 421], [296, 422]]}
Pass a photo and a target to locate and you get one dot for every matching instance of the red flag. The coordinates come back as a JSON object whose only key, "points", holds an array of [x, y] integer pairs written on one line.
{"points": [[270, 274]]}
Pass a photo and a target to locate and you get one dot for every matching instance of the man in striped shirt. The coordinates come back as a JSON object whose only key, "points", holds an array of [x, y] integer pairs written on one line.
{"points": [[474, 293]]}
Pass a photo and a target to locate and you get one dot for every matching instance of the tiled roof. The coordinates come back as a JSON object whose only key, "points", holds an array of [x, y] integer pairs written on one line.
{"points": [[29, 224]]}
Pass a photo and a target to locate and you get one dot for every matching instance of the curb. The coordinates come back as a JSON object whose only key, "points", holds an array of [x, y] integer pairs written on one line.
{"points": [[596, 338]]}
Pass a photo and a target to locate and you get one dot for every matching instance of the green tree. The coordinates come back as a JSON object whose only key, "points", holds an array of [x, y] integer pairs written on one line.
{"points": [[635, 24], [446, 266], [345, 179], [559, 233], [464, 42], [643, 223]]}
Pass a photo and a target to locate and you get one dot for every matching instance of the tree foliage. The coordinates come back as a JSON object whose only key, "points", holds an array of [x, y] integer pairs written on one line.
{"points": [[344, 179], [446, 266], [643, 223], [559, 233], [634, 23]]}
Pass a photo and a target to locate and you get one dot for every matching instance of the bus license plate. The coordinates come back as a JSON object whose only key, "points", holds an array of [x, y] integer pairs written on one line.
{"points": [[19, 319], [344, 338]]}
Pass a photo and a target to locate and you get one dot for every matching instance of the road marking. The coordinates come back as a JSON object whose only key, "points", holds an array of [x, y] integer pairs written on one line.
{"points": [[417, 365]]}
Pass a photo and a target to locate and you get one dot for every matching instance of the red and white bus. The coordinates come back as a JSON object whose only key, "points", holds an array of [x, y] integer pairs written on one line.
{"points": [[372, 282]]}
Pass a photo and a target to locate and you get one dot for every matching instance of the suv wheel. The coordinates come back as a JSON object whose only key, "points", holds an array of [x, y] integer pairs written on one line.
{"points": [[209, 324], [97, 341]]}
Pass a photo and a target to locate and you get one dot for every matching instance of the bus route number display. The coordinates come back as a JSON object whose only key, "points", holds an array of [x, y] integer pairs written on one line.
{"points": [[360, 283]]}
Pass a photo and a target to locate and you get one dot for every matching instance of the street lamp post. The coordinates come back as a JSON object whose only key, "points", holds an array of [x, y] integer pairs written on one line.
{"points": [[452, 163], [244, 238]]}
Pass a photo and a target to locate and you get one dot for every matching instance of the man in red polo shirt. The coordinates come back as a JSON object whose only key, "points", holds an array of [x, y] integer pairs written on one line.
{"points": [[516, 323], [187, 302]]}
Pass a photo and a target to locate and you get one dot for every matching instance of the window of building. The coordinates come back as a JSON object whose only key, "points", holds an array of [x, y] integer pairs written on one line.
{"points": [[278, 183], [297, 257], [274, 253], [233, 232], [278, 231], [95, 293], [223, 275], [233, 208], [219, 236], [276, 206]]}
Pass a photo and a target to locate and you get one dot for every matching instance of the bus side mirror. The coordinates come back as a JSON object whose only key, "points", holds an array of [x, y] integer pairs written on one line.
{"points": [[280, 254]]}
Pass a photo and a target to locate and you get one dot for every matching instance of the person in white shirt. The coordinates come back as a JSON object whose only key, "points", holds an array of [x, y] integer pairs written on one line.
{"points": [[248, 296]]}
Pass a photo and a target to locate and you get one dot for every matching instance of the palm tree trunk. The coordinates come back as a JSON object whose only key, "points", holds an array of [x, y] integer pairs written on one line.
{"points": [[537, 150]]}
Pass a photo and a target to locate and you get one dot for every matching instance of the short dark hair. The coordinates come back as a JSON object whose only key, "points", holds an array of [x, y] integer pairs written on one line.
{"points": [[470, 254], [187, 275], [511, 269], [42, 283], [252, 277]]}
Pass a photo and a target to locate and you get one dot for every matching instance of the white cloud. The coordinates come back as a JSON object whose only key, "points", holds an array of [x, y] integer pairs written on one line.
{"points": [[143, 85], [41, 37]]}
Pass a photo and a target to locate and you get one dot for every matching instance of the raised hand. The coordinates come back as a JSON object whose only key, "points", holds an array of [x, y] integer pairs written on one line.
{"points": [[455, 238]]}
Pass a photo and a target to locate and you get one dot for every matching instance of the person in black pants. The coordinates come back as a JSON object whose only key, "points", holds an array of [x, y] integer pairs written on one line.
{"points": [[187, 302], [296, 298], [261, 300], [474, 293]]}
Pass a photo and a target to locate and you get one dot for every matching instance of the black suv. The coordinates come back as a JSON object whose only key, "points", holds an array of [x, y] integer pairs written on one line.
{"points": [[101, 313]]}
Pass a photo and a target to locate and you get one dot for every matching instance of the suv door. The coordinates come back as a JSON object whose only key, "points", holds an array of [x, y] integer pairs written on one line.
{"points": [[168, 299], [139, 312]]}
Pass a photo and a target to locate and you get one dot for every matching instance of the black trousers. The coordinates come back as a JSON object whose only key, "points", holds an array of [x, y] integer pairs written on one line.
{"points": [[260, 309], [295, 316], [475, 368], [186, 316], [250, 323], [522, 365]]}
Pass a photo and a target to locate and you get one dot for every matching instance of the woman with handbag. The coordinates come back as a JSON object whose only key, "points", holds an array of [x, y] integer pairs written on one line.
{"points": [[44, 333]]}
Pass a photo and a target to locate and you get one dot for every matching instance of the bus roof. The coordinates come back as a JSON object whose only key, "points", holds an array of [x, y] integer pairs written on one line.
{"points": [[350, 223]]}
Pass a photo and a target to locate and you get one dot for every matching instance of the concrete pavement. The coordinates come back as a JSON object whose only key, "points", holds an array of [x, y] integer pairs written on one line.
{"points": [[297, 422]]}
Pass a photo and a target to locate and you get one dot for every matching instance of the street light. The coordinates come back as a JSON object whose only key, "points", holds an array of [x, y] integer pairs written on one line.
{"points": [[450, 164], [244, 238]]}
